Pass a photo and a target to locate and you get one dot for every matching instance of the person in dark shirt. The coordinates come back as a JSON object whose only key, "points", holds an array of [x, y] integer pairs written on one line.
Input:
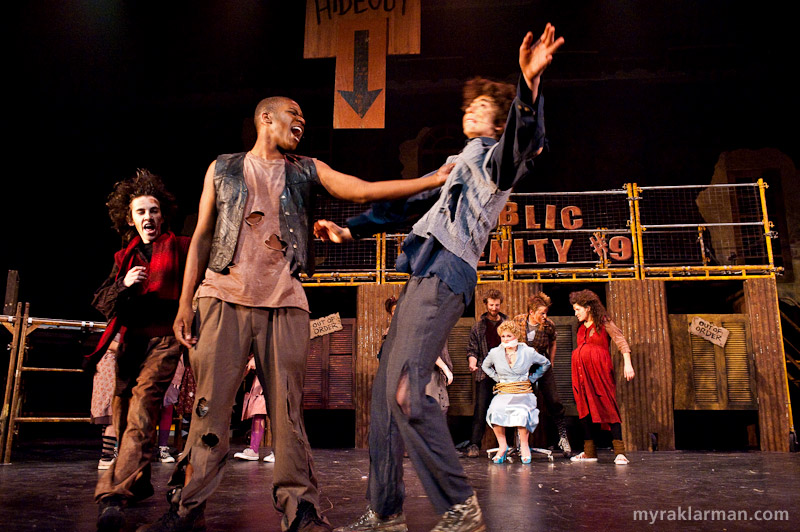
{"points": [[539, 332], [139, 298], [441, 254], [483, 337]]}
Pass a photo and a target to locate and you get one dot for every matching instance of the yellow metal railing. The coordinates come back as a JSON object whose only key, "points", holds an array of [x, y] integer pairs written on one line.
{"points": [[694, 232]]}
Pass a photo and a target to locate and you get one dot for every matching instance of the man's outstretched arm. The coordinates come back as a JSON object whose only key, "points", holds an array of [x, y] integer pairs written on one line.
{"points": [[351, 188]]}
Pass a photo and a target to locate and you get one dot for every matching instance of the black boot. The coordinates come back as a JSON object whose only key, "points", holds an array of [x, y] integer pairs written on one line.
{"points": [[307, 519], [109, 514], [142, 487], [171, 521]]}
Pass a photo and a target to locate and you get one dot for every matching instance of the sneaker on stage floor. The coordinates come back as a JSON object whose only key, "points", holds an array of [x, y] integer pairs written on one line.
{"points": [[164, 456], [464, 517], [371, 521], [105, 462], [247, 454], [563, 442], [621, 459], [270, 458]]}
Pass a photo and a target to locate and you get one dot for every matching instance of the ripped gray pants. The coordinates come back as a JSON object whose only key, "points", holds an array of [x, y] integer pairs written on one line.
{"points": [[279, 339], [401, 415]]}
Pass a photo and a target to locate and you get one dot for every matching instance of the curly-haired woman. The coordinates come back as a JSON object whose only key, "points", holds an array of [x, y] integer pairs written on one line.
{"points": [[593, 382]]}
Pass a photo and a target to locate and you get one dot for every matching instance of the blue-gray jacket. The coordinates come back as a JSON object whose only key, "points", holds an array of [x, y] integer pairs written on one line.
{"points": [[296, 209], [462, 213]]}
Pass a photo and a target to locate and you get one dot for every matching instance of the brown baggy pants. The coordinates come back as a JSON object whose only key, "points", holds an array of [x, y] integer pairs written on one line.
{"points": [[145, 367], [279, 340]]}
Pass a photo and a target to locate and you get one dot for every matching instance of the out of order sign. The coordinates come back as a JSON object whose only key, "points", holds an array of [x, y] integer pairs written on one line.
{"points": [[326, 325], [716, 334]]}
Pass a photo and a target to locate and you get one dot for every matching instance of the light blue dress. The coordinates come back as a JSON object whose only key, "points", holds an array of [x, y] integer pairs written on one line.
{"points": [[514, 409]]}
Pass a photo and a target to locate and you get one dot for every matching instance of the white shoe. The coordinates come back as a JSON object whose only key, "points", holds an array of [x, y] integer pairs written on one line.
{"points": [[105, 463], [621, 459], [563, 442], [270, 458], [581, 457], [247, 454], [164, 456]]}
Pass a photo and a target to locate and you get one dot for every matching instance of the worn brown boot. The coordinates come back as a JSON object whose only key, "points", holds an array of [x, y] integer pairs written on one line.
{"points": [[589, 453]]}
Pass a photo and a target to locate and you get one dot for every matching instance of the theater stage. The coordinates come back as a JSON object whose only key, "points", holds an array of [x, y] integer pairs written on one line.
{"points": [[50, 489]]}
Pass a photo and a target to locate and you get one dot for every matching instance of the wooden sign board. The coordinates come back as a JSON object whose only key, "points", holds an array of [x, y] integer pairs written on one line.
{"points": [[325, 325], [359, 99], [359, 34], [716, 334]]}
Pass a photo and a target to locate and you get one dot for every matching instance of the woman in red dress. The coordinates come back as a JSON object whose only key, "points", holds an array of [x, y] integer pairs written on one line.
{"points": [[593, 382]]}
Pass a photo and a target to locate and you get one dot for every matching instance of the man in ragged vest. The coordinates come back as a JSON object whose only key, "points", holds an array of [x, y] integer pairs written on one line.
{"points": [[242, 292]]}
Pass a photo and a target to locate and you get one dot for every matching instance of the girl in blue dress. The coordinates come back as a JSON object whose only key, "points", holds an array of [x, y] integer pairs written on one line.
{"points": [[514, 403]]}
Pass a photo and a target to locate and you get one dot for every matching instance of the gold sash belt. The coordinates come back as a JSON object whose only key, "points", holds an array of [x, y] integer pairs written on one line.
{"points": [[513, 387]]}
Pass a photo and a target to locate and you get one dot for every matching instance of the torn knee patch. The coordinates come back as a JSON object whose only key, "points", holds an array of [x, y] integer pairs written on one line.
{"points": [[210, 439], [202, 407], [403, 393]]}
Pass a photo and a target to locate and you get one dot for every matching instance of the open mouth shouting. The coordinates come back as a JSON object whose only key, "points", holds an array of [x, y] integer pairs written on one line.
{"points": [[150, 228], [297, 132], [146, 217]]}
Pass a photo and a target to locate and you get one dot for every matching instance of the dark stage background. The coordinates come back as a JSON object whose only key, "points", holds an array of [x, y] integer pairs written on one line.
{"points": [[650, 92]]}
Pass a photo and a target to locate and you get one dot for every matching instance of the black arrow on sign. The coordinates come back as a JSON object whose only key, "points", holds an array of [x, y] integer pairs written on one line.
{"points": [[360, 99]]}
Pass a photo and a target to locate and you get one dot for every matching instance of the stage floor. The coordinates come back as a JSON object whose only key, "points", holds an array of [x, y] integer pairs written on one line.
{"points": [[50, 489]]}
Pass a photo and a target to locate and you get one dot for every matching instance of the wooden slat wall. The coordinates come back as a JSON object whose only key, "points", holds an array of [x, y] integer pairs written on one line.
{"points": [[314, 386], [709, 377], [372, 320], [329, 369], [566, 326], [340, 366], [462, 390], [737, 360], [761, 303], [646, 403], [515, 296]]}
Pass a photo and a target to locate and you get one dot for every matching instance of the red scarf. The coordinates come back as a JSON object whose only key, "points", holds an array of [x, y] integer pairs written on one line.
{"points": [[163, 278], [163, 272]]}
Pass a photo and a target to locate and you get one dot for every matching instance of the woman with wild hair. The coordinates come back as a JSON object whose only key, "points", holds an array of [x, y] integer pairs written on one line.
{"points": [[593, 382]]}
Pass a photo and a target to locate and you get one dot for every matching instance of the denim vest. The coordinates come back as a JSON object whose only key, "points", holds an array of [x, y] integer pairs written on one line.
{"points": [[469, 205], [296, 208]]}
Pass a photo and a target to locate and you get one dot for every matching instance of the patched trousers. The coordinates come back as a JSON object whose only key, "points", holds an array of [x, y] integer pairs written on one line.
{"points": [[279, 340], [426, 312], [145, 367]]}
